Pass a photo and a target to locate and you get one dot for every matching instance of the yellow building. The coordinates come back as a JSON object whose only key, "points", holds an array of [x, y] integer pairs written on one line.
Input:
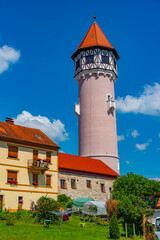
{"points": [[28, 166]]}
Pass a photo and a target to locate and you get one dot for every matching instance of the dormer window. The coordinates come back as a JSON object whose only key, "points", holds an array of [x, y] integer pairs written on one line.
{"points": [[90, 59], [105, 59]]}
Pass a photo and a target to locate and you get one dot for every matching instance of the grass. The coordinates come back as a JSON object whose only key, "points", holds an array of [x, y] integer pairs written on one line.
{"points": [[26, 230]]}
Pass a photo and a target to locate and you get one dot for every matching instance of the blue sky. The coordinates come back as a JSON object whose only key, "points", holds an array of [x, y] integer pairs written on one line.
{"points": [[37, 39]]}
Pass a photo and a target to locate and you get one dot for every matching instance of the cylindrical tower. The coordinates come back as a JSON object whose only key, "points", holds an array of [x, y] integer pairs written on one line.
{"points": [[96, 71]]}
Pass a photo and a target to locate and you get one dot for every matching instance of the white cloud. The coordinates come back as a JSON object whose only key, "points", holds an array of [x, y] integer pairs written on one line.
{"points": [[156, 179], [128, 162], [147, 103], [8, 55], [120, 138], [143, 146], [55, 130], [134, 133], [158, 134]]}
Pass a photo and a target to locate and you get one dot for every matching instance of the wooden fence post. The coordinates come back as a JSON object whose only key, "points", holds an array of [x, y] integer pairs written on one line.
{"points": [[134, 232]]}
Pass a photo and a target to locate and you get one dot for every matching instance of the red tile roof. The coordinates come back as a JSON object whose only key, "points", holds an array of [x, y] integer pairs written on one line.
{"points": [[94, 38], [83, 164], [25, 135]]}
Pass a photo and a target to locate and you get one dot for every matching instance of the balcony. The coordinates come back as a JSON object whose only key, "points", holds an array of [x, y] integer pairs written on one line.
{"points": [[111, 104], [39, 164]]}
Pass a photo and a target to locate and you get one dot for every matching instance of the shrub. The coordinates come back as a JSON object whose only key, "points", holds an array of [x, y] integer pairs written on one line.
{"points": [[23, 214], [114, 227], [112, 208], [3, 215], [65, 201], [44, 206], [10, 220]]}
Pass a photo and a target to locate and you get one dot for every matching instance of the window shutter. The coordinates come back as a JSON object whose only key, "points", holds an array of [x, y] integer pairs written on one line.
{"points": [[35, 155], [48, 180], [12, 175], [48, 156], [35, 178], [12, 151]]}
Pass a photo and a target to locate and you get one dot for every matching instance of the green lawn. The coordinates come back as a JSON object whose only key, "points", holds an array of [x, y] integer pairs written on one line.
{"points": [[70, 231]]}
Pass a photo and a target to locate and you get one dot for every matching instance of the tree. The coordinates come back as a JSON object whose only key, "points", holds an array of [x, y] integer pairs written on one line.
{"points": [[65, 201], [131, 207], [134, 184], [114, 228]]}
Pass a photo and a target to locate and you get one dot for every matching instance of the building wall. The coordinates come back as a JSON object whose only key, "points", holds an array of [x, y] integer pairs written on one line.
{"points": [[81, 187], [25, 187], [97, 125]]}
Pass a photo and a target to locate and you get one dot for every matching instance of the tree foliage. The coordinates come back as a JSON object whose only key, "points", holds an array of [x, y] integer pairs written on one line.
{"points": [[114, 231], [134, 184], [131, 206], [65, 201]]}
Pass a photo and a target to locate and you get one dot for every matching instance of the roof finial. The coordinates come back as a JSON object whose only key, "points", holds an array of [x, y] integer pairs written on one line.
{"points": [[94, 17]]}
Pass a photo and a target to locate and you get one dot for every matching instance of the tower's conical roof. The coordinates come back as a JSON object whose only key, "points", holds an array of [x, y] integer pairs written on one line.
{"points": [[95, 38]]}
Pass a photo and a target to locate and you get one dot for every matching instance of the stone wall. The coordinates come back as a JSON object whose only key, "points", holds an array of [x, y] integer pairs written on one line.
{"points": [[82, 190]]}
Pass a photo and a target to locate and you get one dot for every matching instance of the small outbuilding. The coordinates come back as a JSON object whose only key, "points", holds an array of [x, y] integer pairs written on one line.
{"points": [[101, 208]]}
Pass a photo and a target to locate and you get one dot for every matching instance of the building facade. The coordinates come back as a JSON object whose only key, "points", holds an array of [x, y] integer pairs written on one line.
{"points": [[28, 166], [96, 72], [84, 177]]}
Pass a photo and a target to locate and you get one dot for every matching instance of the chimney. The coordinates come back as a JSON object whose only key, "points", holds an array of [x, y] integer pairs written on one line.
{"points": [[10, 120]]}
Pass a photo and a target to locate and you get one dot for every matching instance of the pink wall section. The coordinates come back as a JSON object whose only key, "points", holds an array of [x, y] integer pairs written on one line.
{"points": [[97, 127]]}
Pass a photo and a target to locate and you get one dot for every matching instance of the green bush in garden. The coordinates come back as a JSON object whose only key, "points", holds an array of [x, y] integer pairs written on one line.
{"points": [[44, 206], [114, 231], [10, 219], [65, 201]]}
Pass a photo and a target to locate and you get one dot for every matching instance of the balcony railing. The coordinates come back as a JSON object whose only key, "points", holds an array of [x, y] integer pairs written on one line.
{"points": [[41, 165]]}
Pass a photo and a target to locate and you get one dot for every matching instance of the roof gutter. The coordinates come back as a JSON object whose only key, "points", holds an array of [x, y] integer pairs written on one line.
{"points": [[13, 140]]}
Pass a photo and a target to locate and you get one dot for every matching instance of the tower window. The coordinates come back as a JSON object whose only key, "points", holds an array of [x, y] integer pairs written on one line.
{"points": [[105, 59], [78, 64], [90, 59], [115, 64]]}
